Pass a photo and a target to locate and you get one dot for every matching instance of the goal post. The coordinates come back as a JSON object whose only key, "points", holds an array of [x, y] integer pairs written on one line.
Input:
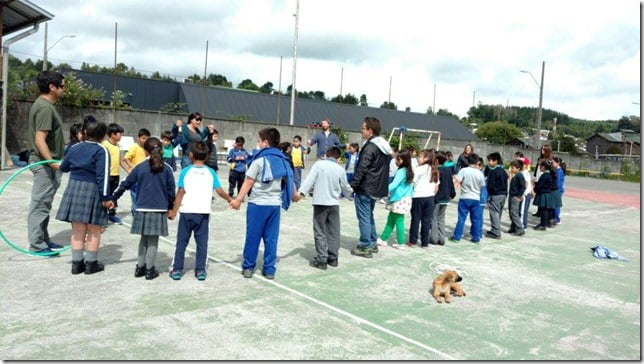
{"points": [[403, 131]]}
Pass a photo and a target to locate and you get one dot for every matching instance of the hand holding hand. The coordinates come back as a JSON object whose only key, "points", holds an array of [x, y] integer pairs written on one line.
{"points": [[235, 204]]}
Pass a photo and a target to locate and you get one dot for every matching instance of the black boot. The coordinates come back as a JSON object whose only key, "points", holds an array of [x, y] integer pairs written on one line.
{"points": [[151, 273], [139, 271], [94, 267], [78, 266]]}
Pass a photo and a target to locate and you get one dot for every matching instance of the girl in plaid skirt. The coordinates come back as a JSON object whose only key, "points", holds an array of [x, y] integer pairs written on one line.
{"points": [[155, 183], [86, 197]]}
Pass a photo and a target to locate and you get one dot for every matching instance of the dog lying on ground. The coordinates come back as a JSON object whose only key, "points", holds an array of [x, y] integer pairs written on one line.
{"points": [[445, 284]]}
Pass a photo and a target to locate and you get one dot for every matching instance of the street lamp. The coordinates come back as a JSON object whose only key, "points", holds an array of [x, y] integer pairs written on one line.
{"points": [[46, 50], [537, 138]]}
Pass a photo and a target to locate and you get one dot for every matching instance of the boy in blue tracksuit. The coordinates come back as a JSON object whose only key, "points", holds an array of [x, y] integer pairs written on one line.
{"points": [[237, 157], [271, 178]]}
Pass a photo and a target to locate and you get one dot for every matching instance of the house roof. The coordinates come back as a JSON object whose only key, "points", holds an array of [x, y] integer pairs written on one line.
{"points": [[234, 103], [617, 137], [21, 14], [229, 103]]}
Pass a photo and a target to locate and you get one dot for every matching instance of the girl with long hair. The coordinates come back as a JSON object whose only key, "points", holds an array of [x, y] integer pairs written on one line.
{"points": [[400, 195], [422, 202], [155, 181]]}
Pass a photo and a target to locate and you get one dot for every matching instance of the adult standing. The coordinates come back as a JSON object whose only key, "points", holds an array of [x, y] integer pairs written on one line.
{"points": [[462, 159], [46, 141], [370, 183], [190, 133], [325, 139]]}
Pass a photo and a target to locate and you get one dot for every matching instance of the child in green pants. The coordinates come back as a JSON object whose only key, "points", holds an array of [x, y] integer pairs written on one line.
{"points": [[401, 191]]}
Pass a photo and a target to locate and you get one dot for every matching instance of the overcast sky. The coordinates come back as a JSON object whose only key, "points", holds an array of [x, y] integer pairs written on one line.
{"points": [[591, 48]]}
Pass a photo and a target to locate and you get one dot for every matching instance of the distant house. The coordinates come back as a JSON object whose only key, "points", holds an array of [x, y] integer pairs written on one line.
{"points": [[234, 104], [526, 142], [618, 145]]}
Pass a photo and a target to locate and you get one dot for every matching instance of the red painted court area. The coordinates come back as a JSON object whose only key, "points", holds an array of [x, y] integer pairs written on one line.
{"points": [[620, 199]]}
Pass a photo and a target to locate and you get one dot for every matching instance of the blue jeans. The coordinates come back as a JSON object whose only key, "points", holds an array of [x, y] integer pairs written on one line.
{"points": [[473, 207], [526, 209], [185, 161], [364, 211], [297, 177]]}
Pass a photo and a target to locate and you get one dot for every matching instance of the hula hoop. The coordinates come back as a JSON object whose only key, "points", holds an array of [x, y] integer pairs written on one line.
{"points": [[4, 185]]}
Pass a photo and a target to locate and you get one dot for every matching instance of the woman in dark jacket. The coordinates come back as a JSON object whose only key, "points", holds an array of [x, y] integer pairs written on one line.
{"points": [[462, 159]]}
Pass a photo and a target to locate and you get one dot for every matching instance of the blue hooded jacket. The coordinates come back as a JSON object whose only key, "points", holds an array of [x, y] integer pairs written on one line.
{"points": [[279, 168]]}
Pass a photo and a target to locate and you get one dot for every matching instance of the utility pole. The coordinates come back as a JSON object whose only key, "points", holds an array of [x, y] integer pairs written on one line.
{"points": [[434, 104], [293, 89], [114, 74], [203, 93], [279, 95], [538, 141], [389, 99], [44, 52]]}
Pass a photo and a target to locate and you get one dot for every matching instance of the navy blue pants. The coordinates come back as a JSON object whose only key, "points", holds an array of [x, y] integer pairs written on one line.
{"points": [[422, 209], [189, 223], [262, 223]]}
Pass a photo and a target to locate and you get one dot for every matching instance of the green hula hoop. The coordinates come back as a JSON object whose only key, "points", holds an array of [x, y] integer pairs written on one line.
{"points": [[4, 185]]}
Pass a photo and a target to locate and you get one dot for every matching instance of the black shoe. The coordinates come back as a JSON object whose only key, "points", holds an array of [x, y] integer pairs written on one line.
{"points": [[317, 264], [333, 263], [94, 267], [151, 273], [441, 242], [139, 271], [362, 252], [248, 273], [519, 233], [78, 266], [511, 231], [268, 276], [491, 235], [540, 227]]}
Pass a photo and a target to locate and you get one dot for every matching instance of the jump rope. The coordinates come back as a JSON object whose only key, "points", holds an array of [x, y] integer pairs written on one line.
{"points": [[4, 238]]}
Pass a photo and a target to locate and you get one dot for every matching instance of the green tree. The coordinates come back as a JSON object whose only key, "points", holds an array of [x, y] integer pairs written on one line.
{"points": [[565, 143], [219, 80], [363, 100], [445, 112], [498, 132], [266, 88], [248, 84], [347, 99], [389, 105], [78, 93]]}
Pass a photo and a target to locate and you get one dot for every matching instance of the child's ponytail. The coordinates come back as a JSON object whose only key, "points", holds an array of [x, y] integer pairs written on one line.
{"points": [[154, 147]]}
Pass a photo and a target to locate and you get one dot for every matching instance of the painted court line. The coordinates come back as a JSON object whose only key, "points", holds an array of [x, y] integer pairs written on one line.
{"points": [[342, 312], [353, 317]]}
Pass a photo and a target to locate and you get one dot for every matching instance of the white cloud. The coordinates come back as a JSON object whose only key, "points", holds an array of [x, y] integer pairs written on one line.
{"points": [[591, 47]]}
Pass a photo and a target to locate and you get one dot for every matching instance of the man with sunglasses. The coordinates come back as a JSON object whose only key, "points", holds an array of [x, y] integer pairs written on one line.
{"points": [[46, 141]]}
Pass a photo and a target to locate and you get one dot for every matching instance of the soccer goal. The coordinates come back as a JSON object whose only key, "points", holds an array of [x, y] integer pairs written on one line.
{"points": [[430, 135]]}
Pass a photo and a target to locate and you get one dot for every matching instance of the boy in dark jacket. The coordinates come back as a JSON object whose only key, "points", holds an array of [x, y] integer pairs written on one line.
{"points": [[497, 189], [517, 189]]}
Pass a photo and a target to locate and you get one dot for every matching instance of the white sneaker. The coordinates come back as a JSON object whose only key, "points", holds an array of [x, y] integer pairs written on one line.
{"points": [[381, 242]]}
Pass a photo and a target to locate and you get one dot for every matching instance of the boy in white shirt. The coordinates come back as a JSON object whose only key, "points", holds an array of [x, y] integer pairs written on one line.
{"points": [[195, 185]]}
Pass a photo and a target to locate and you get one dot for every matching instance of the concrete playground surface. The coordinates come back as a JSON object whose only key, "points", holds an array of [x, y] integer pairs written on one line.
{"points": [[542, 296]]}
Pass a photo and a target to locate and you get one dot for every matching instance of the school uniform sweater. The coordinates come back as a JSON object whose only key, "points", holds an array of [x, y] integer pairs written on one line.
{"points": [[497, 181], [517, 185], [156, 190], [446, 190], [89, 162]]}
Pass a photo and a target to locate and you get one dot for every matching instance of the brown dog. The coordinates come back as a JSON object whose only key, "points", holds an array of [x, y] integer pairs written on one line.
{"points": [[445, 284]]}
